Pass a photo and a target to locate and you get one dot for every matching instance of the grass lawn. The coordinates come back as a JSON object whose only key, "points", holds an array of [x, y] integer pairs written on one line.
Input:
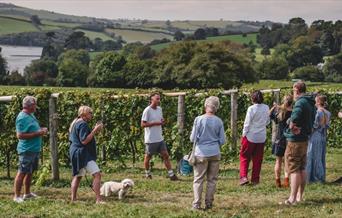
{"points": [[160, 197], [92, 35], [135, 35], [8, 26]]}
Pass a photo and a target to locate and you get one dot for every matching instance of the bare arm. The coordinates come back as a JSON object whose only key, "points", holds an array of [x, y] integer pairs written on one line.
{"points": [[91, 135], [30, 135], [145, 124]]}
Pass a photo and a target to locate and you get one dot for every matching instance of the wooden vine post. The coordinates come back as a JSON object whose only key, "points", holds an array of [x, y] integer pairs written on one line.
{"points": [[53, 117]]}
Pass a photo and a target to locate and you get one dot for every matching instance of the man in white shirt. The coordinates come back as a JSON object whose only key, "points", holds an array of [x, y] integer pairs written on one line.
{"points": [[152, 121]]}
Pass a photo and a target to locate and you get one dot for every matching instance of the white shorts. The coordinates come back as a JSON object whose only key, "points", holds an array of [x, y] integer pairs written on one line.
{"points": [[91, 168]]}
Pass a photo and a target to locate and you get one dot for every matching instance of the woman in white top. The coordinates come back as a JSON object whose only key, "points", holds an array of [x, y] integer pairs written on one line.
{"points": [[253, 138]]}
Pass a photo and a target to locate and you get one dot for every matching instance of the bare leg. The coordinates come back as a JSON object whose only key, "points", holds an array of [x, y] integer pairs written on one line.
{"points": [[302, 186], [97, 186], [295, 183], [147, 161], [74, 186], [27, 183], [277, 167], [166, 158], [18, 183]]}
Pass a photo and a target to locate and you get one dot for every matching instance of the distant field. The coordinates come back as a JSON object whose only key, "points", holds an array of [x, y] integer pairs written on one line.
{"points": [[195, 24], [60, 24], [233, 38], [8, 26], [92, 34], [134, 36]]}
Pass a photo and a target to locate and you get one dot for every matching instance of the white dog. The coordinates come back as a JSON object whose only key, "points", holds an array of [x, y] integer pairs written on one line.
{"points": [[116, 187]]}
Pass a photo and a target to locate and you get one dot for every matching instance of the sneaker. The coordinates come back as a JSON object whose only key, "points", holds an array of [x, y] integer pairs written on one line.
{"points": [[174, 178], [30, 196], [18, 199], [149, 176], [244, 181]]}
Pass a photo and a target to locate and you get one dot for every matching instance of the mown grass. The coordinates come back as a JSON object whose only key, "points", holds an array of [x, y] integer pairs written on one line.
{"points": [[160, 197]]}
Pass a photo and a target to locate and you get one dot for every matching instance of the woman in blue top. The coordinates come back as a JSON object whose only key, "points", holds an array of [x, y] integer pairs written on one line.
{"points": [[208, 135], [83, 151], [316, 166]]}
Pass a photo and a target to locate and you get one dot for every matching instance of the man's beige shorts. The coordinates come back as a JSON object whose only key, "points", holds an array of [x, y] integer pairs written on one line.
{"points": [[91, 168], [295, 156]]}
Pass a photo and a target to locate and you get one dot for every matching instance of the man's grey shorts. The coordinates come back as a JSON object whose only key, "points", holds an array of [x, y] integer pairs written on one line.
{"points": [[28, 162], [155, 148]]}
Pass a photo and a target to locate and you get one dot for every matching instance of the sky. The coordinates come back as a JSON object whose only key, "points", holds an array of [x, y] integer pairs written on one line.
{"points": [[252, 10]]}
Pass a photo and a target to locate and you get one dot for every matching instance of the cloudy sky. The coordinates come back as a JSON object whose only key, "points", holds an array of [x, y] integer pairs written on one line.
{"points": [[275, 10]]}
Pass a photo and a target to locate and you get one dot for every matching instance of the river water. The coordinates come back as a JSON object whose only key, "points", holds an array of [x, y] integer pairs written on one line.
{"points": [[18, 57]]}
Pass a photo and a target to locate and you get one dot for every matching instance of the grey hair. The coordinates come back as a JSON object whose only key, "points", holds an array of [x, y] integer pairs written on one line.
{"points": [[212, 103], [29, 101]]}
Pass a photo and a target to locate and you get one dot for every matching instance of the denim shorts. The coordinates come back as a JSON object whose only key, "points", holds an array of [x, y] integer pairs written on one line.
{"points": [[28, 162], [155, 148]]}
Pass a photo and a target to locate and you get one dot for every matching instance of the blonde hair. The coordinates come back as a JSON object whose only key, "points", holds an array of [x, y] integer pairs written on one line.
{"points": [[83, 110], [212, 103], [287, 102]]}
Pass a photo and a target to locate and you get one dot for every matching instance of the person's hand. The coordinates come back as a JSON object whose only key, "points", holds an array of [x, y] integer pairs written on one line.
{"points": [[98, 127], [43, 131], [340, 114], [296, 130]]}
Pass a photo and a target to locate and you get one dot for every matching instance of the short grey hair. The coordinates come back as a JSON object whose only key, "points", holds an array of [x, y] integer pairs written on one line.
{"points": [[29, 101], [212, 103]]}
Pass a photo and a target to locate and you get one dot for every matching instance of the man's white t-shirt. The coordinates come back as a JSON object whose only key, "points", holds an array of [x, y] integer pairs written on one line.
{"points": [[153, 134]]}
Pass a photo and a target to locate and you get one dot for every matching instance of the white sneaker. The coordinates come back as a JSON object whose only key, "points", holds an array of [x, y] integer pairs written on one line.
{"points": [[29, 196], [18, 199]]}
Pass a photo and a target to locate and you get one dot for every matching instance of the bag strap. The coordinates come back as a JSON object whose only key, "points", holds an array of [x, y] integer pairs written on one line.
{"points": [[195, 134]]}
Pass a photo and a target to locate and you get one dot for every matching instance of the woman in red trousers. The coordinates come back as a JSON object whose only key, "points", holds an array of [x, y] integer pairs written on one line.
{"points": [[253, 138]]}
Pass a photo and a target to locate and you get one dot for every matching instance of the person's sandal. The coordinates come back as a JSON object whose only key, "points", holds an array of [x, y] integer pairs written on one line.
{"points": [[244, 181], [288, 203]]}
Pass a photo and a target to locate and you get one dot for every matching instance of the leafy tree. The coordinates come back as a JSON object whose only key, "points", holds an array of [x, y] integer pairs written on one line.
{"points": [[77, 40], [203, 65], [3, 68], [200, 34], [81, 56], [333, 69], [265, 51], [15, 78], [35, 20], [308, 73], [139, 73], [108, 72], [179, 35], [40, 72], [72, 72], [51, 49], [273, 68]]}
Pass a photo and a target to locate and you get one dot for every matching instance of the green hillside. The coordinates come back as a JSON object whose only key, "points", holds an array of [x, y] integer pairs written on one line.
{"points": [[135, 35], [234, 38], [9, 25]]}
